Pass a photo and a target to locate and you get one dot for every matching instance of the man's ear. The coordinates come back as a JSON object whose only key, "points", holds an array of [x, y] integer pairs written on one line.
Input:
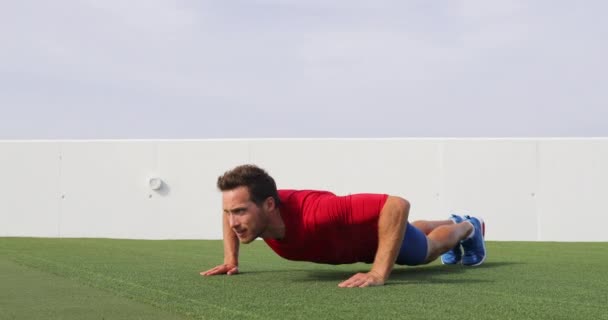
{"points": [[270, 204]]}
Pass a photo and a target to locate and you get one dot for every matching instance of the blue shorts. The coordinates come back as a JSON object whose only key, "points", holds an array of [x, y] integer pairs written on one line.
{"points": [[413, 248]]}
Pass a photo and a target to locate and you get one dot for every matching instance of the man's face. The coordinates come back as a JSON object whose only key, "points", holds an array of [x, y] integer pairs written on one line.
{"points": [[247, 220]]}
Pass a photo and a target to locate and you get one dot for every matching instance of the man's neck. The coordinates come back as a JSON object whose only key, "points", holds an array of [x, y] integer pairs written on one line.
{"points": [[276, 226]]}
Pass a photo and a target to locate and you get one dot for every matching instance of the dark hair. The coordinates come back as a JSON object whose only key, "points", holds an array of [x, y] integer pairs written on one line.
{"points": [[260, 184]]}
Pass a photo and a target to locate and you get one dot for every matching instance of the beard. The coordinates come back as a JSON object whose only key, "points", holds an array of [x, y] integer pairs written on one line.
{"points": [[257, 230], [250, 236]]}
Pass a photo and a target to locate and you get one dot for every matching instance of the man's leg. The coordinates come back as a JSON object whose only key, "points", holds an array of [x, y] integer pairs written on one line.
{"points": [[427, 226], [420, 244], [445, 237]]}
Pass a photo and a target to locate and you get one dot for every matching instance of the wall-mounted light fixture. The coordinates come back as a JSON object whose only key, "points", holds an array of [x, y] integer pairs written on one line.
{"points": [[155, 183]]}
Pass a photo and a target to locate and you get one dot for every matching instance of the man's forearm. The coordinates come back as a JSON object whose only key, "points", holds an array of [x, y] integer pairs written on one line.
{"points": [[231, 244], [391, 230]]}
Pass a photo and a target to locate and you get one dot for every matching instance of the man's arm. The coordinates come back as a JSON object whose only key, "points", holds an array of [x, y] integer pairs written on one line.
{"points": [[391, 230], [231, 252]]}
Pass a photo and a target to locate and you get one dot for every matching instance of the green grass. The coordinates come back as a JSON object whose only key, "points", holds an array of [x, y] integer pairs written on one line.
{"points": [[126, 279], [31, 294]]}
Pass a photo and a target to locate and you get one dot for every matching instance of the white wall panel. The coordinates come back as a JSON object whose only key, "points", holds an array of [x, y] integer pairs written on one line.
{"points": [[105, 190], [303, 164], [573, 193], [526, 189], [495, 179], [406, 168], [191, 206], [29, 189]]}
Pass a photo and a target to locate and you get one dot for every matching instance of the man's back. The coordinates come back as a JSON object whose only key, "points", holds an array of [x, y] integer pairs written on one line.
{"points": [[325, 228]]}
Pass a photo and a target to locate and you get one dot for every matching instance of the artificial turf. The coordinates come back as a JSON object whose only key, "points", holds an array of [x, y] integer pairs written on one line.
{"points": [[32, 294], [126, 279]]}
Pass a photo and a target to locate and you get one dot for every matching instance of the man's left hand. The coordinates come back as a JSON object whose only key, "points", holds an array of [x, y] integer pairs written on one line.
{"points": [[361, 280]]}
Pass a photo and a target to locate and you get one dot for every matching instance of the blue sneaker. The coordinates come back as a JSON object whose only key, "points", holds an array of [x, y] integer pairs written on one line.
{"points": [[474, 247], [455, 254]]}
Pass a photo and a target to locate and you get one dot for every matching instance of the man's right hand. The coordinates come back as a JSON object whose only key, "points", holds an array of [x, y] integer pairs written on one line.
{"points": [[225, 268]]}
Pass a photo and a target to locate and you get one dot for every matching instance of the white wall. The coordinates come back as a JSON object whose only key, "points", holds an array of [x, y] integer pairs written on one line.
{"points": [[526, 189]]}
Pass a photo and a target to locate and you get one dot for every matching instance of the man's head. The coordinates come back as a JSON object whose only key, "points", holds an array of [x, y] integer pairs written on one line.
{"points": [[249, 194]]}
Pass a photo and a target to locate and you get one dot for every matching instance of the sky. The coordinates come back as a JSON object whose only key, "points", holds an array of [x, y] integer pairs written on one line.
{"points": [[192, 69]]}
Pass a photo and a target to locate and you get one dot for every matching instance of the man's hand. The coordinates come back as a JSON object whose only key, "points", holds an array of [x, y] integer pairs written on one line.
{"points": [[362, 280], [225, 268]]}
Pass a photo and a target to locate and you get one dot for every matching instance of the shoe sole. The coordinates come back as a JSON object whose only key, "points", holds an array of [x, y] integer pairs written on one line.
{"points": [[483, 237], [450, 264]]}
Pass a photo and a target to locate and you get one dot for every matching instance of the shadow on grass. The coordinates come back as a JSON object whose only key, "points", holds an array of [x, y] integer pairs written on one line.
{"points": [[409, 275]]}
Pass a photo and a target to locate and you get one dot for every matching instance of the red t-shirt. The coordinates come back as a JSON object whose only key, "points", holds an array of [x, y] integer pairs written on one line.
{"points": [[324, 228]]}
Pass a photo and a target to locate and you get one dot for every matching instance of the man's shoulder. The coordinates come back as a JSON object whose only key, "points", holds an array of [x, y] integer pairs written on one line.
{"points": [[286, 194]]}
